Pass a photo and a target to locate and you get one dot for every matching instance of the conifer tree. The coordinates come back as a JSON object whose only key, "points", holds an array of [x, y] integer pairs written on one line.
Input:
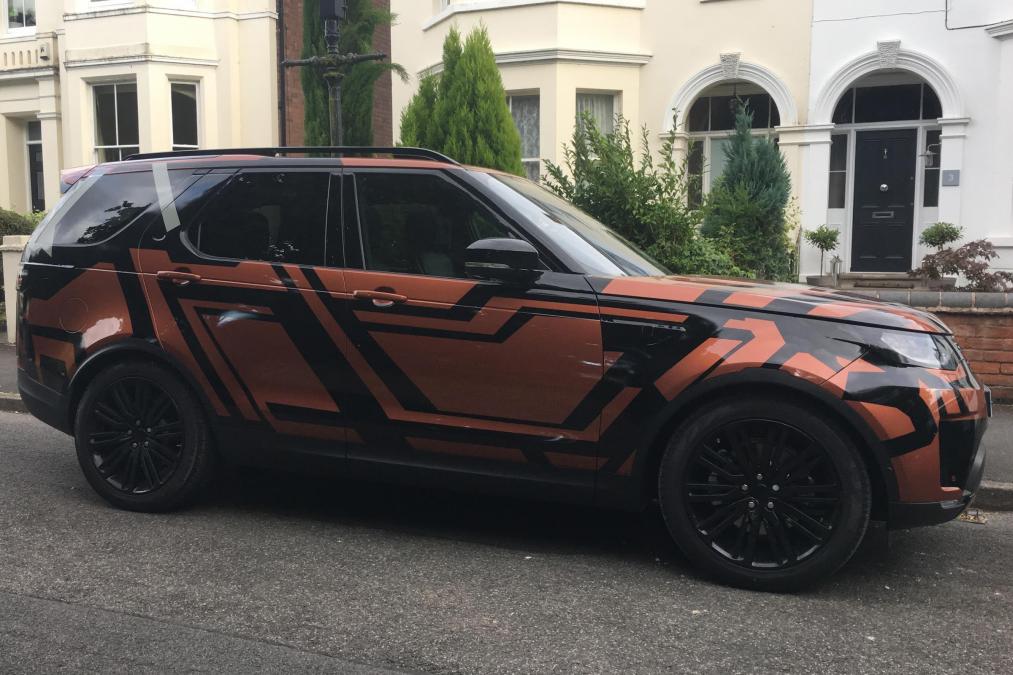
{"points": [[745, 210], [463, 112], [357, 30]]}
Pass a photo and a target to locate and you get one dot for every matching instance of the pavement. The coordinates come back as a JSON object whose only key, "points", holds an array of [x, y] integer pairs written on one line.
{"points": [[277, 573]]}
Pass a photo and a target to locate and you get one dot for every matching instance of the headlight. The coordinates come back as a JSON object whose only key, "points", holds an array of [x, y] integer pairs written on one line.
{"points": [[924, 350]]}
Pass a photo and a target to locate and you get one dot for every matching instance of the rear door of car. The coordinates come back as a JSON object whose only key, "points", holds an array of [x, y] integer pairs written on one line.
{"points": [[475, 377], [235, 295]]}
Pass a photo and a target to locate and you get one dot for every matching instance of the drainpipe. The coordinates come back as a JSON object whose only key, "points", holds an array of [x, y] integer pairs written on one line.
{"points": [[282, 84]]}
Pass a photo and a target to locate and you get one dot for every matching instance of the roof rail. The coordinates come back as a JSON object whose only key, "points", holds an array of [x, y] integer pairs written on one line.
{"points": [[342, 151]]}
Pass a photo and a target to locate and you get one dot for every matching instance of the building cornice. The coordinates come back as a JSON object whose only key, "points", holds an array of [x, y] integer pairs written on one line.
{"points": [[140, 58], [28, 73], [1001, 30], [542, 56], [169, 11], [491, 5]]}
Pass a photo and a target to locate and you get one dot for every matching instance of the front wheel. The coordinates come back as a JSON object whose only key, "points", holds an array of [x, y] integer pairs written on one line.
{"points": [[142, 440], [764, 494]]}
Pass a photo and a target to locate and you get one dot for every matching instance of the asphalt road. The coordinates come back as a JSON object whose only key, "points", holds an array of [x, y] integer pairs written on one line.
{"points": [[284, 574]]}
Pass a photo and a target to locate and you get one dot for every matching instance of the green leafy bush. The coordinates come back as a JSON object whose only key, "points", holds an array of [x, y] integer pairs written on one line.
{"points": [[939, 235], [463, 112], [642, 200], [825, 239], [744, 213], [970, 261], [12, 223]]}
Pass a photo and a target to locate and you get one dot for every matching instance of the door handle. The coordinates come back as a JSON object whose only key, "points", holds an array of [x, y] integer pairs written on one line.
{"points": [[177, 277], [380, 298]]}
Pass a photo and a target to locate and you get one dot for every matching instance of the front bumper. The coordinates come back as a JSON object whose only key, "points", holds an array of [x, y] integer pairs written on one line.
{"points": [[903, 515]]}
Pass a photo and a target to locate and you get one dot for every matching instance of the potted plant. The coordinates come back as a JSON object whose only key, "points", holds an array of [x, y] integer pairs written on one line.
{"points": [[939, 236], [825, 239]]}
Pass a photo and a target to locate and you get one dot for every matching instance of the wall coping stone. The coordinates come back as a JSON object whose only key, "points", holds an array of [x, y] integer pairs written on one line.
{"points": [[956, 302]]}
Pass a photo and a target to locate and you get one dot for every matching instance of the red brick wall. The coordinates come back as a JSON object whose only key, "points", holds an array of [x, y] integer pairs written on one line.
{"points": [[987, 342], [294, 104]]}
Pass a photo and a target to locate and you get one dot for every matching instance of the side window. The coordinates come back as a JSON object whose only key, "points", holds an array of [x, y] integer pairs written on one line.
{"points": [[419, 223], [269, 216], [104, 205]]}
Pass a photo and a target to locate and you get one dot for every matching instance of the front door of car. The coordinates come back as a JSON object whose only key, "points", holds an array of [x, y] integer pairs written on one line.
{"points": [[236, 294], [472, 376]]}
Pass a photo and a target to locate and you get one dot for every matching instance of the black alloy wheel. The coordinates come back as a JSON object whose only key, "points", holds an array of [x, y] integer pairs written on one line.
{"points": [[142, 439], [136, 436], [764, 493]]}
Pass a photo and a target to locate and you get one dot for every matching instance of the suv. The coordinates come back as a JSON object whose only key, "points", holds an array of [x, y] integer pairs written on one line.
{"points": [[390, 312]]}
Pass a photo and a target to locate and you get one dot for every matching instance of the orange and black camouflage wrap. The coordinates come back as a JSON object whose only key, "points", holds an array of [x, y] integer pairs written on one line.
{"points": [[571, 383]]}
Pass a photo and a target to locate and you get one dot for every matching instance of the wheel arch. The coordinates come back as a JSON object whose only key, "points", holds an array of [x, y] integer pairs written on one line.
{"points": [[129, 348], [765, 382]]}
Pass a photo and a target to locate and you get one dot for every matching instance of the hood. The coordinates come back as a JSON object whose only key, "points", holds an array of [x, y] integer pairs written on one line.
{"points": [[792, 299]]}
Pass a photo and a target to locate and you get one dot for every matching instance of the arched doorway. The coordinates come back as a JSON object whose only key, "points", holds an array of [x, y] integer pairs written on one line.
{"points": [[884, 167], [709, 124]]}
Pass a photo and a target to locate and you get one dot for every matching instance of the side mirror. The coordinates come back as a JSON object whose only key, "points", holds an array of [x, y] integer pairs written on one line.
{"points": [[513, 260]]}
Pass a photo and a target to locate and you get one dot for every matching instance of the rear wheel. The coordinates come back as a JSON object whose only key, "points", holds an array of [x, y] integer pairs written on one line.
{"points": [[142, 440], [764, 494]]}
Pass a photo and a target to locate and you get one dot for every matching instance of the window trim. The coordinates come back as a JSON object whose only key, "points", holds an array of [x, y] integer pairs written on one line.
{"points": [[184, 236], [116, 114], [197, 98], [15, 32], [447, 176]]}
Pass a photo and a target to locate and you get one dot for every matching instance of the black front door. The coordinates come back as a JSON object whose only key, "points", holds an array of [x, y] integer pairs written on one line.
{"points": [[884, 200]]}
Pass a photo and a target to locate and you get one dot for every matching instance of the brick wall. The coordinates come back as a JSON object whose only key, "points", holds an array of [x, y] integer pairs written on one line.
{"points": [[987, 342], [294, 103]]}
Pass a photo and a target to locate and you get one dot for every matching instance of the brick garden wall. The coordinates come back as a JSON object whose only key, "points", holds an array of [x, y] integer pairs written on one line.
{"points": [[987, 341]]}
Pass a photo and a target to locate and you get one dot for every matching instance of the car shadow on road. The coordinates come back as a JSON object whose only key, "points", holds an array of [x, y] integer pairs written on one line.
{"points": [[530, 526]]}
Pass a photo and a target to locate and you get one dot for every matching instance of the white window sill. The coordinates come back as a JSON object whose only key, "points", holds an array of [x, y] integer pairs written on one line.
{"points": [[488, 5], [20, 32]]}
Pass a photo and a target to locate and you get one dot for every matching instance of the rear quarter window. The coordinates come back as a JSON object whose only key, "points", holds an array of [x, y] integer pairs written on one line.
{"points": [[110, 203]]}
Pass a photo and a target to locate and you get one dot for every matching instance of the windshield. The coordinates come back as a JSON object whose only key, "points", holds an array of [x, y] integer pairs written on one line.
{"points": [[591, 244]]}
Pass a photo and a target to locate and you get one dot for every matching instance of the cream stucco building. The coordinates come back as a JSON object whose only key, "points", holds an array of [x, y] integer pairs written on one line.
{"points": [[890, 115], [83, 81]]}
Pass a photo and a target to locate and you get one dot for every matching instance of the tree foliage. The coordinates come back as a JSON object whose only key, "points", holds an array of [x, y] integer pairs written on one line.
{"points": [[356, 36], [642, 200], [939, 235], [745, 210], [823, 238], [462, 112]]}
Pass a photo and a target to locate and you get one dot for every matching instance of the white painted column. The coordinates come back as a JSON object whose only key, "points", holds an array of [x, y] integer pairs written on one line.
{"points": [[5, 172], [952, 140], [807, 153], [11, 249], [52, 138]]}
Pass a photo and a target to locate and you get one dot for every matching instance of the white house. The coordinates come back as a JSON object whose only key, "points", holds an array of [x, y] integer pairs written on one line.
{"points": [[891, 115]]}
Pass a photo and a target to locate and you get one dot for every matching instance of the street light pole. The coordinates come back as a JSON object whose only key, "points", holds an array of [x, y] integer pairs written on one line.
{"points": [[332, 65]]}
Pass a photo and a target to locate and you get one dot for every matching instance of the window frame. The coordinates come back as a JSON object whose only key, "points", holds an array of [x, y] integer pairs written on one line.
{"points": [[24, 30], [29, 145], [616, 104], [536, 94], [192, 247], [197, 115], [446, 176], [116, 114]]}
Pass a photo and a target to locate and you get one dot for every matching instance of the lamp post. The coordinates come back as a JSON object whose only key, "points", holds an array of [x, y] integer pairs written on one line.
{"points": [[332, 65]]}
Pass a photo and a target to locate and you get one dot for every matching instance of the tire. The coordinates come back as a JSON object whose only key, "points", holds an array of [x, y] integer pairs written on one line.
{"points": [[142, 439], [764, 494]]}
